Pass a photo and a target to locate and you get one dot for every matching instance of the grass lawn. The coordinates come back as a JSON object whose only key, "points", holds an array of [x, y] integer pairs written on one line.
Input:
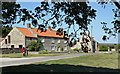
{"points": [[107, 62], [20, 55]]}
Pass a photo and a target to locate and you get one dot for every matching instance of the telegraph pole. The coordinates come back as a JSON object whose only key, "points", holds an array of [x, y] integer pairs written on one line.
{"points": [[91, 40], [91, 30]]}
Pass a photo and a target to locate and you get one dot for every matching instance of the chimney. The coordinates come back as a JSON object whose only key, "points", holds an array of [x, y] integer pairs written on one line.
{"points": [[49, 28], [28, 25]]}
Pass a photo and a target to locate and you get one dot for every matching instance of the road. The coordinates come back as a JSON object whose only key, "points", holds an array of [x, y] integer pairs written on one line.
{"points": [[21, 61]]}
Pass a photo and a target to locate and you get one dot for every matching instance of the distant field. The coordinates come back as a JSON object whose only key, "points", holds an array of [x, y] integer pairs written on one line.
{"points": [[107, 62]]}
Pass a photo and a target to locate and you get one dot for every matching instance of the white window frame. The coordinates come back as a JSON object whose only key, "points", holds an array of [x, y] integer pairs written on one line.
{"points": [[65, 41], [52, 40], [65, 47], [53, 48], [42, 40], [59, 41]]}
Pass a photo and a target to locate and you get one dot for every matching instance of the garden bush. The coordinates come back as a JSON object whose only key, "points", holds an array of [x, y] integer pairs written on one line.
{"points": [[103, 48], [34, 46], [31, 45], [117, 47], [43, 52], [76, 49]]}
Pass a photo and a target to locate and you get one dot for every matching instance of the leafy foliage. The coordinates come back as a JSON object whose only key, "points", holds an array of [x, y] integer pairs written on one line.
{"points": [[116, 22], [71, 13], [76, 49], [6, 30], [103, 47], [117, 47], [38, 44], [34, 46], [43, 52]]}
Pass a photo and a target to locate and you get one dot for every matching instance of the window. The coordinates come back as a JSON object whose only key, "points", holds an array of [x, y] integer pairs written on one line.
{"points": [[30, 38], [52, 48], [58, 41], [12, 46], [42, 40], [81, 39], [65, 48], [20, 46], [65, 41], [52, 40], [8, 39], [5, 41]]}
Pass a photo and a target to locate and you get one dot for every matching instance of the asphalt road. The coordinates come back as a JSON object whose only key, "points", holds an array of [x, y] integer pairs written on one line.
{"points": [[21, 61]]}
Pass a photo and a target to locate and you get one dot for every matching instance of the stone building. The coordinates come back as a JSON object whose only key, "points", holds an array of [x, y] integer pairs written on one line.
{"points": [[20, 37], [1, 39], [91, 44]]}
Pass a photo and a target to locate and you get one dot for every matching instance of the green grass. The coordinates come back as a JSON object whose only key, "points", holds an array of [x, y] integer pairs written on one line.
{"points": [[107, 60], [20, 55], [88, 63]]}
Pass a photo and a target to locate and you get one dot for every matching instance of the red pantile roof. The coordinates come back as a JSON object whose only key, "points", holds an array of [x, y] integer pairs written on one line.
{"points": [[89, 37], [47, 33], [26, 32]]}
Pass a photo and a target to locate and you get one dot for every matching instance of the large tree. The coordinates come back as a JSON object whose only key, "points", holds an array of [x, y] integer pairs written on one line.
{"points": [[6, 30], [71, 13]]}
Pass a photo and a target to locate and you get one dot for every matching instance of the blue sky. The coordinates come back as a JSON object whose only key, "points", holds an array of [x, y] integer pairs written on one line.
{"points": [[103, 14]]}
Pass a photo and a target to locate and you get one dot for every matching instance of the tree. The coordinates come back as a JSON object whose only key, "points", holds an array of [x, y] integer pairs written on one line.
{"points": [[75, 42], [117, 47], [6, 30], [38, 45], [72, 13], [103, 47], [116, 22], [34, 46]]}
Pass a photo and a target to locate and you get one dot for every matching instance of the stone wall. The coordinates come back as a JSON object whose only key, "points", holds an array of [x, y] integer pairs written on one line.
{"points": [[7, 51]]}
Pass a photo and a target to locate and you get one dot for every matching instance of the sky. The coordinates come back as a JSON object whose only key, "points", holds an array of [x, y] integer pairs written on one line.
{"points": [[103, 14]]}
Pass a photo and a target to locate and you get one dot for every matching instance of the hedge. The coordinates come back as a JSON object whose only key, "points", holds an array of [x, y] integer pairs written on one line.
{"points": [[103, 48]]}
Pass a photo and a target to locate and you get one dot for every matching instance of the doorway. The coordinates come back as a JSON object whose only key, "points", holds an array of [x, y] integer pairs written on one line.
{"points": [[58, 49]]}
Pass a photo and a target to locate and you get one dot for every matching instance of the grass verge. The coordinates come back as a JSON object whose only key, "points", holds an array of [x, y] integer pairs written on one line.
{"points": [[107, 62], [20, 55]]}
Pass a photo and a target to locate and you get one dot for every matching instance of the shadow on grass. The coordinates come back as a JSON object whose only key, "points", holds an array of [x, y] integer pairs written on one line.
{"points": [[55, 68]]}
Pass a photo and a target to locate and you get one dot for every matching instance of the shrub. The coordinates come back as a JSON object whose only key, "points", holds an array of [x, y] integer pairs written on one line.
{"points": [[43, 52], [62, 49], [76, 49], [117, 47], [38, 45], [34, 46], [103, 48]]}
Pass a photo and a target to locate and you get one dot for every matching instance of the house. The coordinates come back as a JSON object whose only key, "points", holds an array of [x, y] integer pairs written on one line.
{"points": [[91, 44], [20, 37]]}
